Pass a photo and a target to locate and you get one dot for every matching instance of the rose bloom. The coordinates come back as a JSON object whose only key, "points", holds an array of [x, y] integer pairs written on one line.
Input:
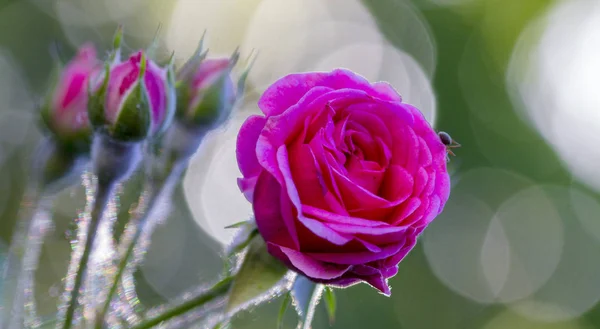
{"points": [[342, 175], [123, 80], [66, 113]]}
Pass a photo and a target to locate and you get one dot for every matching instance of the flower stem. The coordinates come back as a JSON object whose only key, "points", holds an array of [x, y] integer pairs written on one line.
{"points": [[103, 195], [218, 290], [139, 230], [160, 184], [13, 265]]}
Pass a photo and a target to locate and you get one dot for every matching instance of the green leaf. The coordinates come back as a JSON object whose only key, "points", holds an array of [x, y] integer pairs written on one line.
{"points": [[330, 304], [243, 244], [284, 306], [306, 295], [259, 273], [238, 224]]}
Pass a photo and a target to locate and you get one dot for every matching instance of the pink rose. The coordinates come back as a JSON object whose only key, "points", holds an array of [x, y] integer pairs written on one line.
{"points": [[66, 110], [342, 175], [124, 79], [207, 92], [134, 99]]}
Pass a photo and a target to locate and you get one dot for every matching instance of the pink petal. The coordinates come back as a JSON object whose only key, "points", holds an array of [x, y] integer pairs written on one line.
{"points": [[246, 145], [288, 90], [442, 189], [208, 72], [324, 232], [334, 218], [310, 267], [404, 210], [386, 91], [432, 210], [280, 129], [155, 80], [421, 178], [246, 186], [356, 258], [397, 184], [380, 283], [268, 212]]}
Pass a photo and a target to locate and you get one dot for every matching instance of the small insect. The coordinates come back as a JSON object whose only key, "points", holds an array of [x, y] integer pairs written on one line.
{"points": [[448, 142]]}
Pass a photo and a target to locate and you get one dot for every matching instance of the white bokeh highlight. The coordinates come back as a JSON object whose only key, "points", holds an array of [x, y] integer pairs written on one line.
{"points": [[499, 239], [573, 288], [210, 183], [556, 76]]}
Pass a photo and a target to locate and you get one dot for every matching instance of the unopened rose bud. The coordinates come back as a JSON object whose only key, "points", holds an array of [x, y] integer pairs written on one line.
{"points": [[134, 100], [65, 110], [206, 92]]}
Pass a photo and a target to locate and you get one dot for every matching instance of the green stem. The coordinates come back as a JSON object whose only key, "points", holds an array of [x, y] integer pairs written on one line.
{"points": [[155, 192], [160, 183], [218, 290], [13, 265], [103, 194]]}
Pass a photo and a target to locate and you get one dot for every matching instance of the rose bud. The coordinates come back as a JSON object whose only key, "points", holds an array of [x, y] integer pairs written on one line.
{"points": [[343, 176], [206, 91], [65, 110], [134, 100]]}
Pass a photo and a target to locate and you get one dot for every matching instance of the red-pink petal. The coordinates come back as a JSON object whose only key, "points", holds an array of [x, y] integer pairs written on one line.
{"points": [[246, 145]]}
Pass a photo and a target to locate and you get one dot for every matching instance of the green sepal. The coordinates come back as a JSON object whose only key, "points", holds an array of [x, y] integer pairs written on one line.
{"points": [[287, 298], [241, 85], [215, 105], [117, 41], [97, 99], [134, 119], [259, 273], [330, 303], [186, 73], [183, 94]]}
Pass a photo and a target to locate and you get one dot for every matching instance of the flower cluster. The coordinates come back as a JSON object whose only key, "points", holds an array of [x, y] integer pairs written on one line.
{"points": [[135, 98]]}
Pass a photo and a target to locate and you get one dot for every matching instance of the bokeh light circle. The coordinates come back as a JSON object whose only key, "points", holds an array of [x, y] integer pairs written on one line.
{"points": [[572, 290], [210, 183], [512, 320], [486, 244], [555, 71]]}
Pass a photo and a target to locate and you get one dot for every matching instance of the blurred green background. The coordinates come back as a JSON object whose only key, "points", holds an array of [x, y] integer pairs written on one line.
{"points": [[514, 81]]}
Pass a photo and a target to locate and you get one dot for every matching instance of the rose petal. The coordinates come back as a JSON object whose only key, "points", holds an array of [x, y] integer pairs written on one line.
{"points": [[404, 210], [309, 180], [155, 81], [246, 186], [267, 208], [356, 258], [279, 128], [421, 179], [325, 232], [288, 90], [432, 210], [334, 218], [380, 283], [386, 91], [442, 187], [246, 145], [425, 157], [357, 198], [306, 265], [397, 185]]}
